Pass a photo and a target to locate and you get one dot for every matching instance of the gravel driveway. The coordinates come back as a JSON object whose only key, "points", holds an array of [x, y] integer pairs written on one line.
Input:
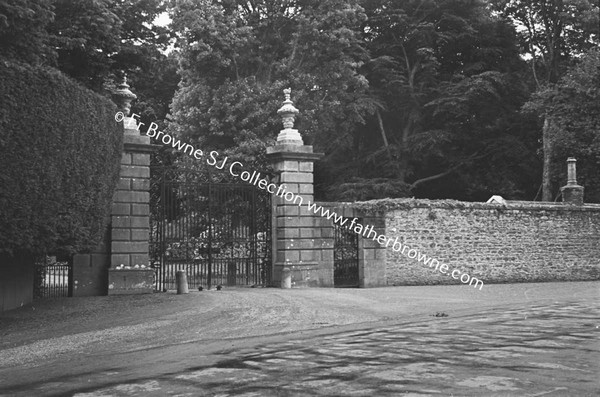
{"points": [[53, 328]]}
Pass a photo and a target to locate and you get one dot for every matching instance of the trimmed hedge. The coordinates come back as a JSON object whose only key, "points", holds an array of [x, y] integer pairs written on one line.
{"points": [[60, 151]]}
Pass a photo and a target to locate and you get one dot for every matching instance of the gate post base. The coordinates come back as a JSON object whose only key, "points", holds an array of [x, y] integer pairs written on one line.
{"points": [[300, 274], [130, 281]]}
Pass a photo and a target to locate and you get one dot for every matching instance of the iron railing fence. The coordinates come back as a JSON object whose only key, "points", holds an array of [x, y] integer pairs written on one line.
{"points": [[202, 273], [52, 278]]}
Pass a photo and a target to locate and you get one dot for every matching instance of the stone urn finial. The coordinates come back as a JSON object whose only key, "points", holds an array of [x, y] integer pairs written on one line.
{"points": [[571, 171], [123, 96], [288, 112], [288, 115], [572, 193]]}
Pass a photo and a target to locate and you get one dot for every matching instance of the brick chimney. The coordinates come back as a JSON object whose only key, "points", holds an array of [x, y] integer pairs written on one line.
{"points": [[572, 193]]}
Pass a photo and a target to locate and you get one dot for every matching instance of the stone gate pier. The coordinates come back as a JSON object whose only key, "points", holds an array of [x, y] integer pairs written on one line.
{"points": [[293, 226]]}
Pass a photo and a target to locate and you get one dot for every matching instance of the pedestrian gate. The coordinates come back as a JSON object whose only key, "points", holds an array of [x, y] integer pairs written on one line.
{"points": [[52, 278], [345, 257], [218, 233]]}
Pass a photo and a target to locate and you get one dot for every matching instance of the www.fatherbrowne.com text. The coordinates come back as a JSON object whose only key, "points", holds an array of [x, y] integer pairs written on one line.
{"points": [[236, 169]]}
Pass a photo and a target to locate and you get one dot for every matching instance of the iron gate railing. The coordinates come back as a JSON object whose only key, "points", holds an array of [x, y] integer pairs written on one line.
{"points": [[52, 278], [219, 233], [345, 257]]}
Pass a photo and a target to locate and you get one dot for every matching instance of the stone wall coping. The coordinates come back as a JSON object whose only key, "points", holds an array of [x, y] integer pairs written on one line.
{"points": [[386, 205]]}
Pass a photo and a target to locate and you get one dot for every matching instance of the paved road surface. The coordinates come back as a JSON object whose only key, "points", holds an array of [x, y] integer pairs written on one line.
{"points": [[521, 340]]}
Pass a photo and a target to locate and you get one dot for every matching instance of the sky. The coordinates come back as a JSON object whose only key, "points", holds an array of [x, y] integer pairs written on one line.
{"points": [[162, 19]]}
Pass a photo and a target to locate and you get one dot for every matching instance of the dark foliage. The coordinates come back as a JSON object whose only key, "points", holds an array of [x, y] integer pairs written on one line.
{"points": [[573, 105], [23, 32], [60, 152]]}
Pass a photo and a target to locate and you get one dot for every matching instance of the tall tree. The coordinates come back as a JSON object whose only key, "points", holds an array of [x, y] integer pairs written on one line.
{"points": [[237, 56], [575, 107], [553, 33], [90, 40], [86, 35], [97, 38], [446, 75]]}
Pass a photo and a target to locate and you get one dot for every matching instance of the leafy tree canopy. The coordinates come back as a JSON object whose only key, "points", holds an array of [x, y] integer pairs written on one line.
{"points": [[446, 76], [23, 30], [238, 56], [415, 97], [93, 41], [575, 107], [552, 32], [89, 40]]}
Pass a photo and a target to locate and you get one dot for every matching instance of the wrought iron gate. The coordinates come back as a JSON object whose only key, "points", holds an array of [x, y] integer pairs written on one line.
{"points": [[219, 233], [52, 278], [345, 257]]}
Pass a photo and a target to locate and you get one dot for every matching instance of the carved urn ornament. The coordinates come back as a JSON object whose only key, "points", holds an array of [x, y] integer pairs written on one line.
{"points": [[288, 136], [123, 96]]}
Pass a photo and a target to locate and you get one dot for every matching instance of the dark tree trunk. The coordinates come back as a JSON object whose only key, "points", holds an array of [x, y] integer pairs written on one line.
{"points": [[547, 147]]}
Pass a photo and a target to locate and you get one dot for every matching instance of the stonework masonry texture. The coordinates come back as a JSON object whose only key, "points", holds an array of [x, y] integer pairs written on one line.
{"points": [[130, 210], [497, 245], [298, 246], [371, 255]]}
